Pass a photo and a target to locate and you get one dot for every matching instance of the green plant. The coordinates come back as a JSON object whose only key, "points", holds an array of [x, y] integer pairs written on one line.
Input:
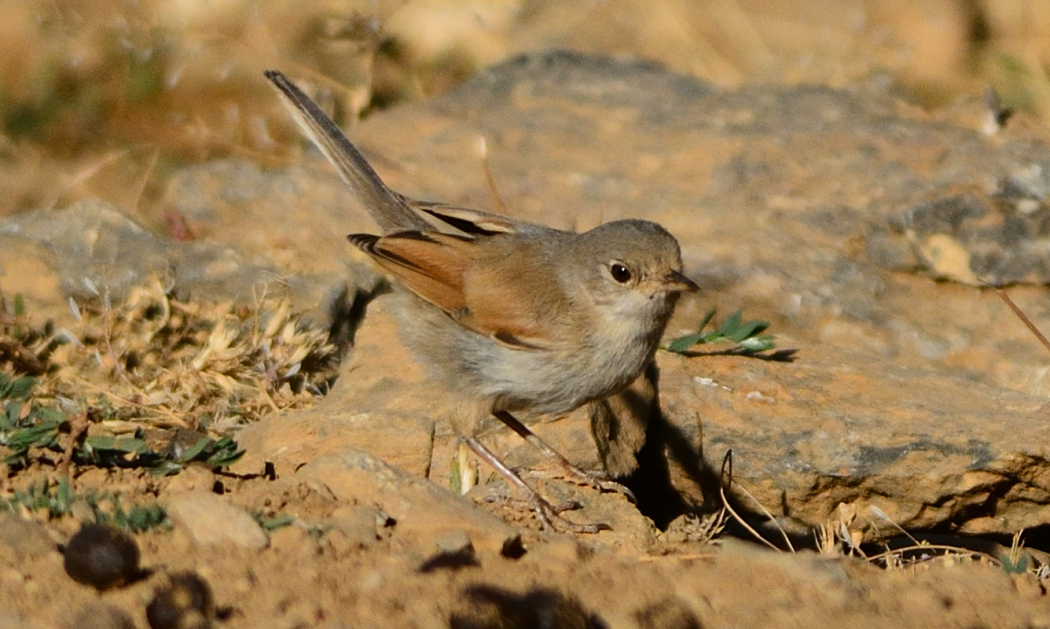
{"points": [[58, 498], [108, 510], [273, 522], [55, 498], [211, 453], [747, 335], [25, 424]]}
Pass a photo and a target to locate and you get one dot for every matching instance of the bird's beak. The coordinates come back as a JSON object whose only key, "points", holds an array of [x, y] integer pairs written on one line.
{"points": [[675, 282]]}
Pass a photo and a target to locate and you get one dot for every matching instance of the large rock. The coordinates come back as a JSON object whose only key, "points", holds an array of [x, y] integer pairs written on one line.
{"points": [[925, 449], [93, 246]]}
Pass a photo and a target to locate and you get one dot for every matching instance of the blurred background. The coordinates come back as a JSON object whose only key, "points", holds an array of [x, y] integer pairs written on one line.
{"points": [[106, 98]]}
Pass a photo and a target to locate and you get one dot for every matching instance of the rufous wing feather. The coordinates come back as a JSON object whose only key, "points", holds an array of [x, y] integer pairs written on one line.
{"points": [[429, 264], [441, 268], [508, 296]]}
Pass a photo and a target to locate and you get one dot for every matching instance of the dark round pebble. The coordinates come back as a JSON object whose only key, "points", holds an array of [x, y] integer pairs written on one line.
{"points": [[487, 607], [102, 557], [186, 603]]}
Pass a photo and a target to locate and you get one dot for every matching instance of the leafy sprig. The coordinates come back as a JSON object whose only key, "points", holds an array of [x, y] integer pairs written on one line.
{"points": [[747, 335]]}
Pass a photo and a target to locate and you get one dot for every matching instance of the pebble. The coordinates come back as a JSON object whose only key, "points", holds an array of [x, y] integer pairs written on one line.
{"points": [[211, 520]]}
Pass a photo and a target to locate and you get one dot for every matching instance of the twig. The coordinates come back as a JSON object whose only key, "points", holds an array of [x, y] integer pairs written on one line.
{"points": [[78, 427], [727, 462], [1023, 317], [483, 149]]}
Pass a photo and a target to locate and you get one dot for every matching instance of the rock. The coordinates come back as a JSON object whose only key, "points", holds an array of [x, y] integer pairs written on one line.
{"points": [[421, 509], [296, 218], [211, 520], [804, 205], [453, 542], [94, 242], [187, 601], [288, 440], [359, 524], [102, 557], [928, 450], [827, 212]]}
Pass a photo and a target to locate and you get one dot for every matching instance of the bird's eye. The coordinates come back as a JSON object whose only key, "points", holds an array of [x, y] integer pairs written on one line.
{"points": [[620, 273]]}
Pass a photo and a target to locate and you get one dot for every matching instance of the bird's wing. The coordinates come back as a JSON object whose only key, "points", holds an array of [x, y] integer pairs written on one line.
{"points": [[469, 221], [488, 298]]}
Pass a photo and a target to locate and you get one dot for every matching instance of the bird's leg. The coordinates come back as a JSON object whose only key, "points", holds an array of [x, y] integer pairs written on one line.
{"points": [[547, 513], [572, 472]]}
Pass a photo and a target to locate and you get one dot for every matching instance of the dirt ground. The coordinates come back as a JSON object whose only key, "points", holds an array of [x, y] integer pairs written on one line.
{"points": [[342, 578]]}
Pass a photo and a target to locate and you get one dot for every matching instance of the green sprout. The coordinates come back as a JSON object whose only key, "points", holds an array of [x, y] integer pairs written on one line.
{"points": [[273, 522], [747, 335]]}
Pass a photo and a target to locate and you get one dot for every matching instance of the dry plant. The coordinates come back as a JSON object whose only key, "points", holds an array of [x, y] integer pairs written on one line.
{"points": [[158, 361], [169, 362]]}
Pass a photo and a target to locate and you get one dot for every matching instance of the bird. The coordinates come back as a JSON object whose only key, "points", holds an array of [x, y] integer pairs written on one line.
{"points": [[516, 317]]}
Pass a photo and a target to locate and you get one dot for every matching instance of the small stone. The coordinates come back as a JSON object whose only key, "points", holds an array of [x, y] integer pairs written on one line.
{"points": [[102, 557], [186, 603], [212, 520], [454, 542], [421, 509], [358, 524]]}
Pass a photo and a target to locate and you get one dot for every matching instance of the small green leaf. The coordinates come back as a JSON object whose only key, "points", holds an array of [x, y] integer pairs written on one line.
{"points": [[683, 343], [16, 388], [195, 450], [710, 314], [165, 468], [748, 335], [49, 414], [759, 343], [118, 444], [64, 496], [42, 435], [747, 329], [275, 522], [1010, 567], [138, 518], [224, 459], [731, 324], [12, 410]]}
